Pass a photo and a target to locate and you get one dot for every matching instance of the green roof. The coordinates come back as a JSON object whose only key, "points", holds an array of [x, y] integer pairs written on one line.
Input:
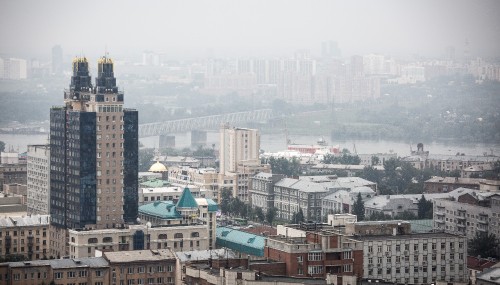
{"points": [[212, 206], [187, 200], [161, 209], [240, 241], [421, 226], [155, 183]]}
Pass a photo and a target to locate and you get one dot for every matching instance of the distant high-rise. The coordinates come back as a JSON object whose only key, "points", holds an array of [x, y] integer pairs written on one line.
{"points": [[93, 153], [330, 49], [57, 60], [238, 145]]}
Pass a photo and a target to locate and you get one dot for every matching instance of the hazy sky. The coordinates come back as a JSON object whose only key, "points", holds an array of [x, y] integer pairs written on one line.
{"points": [[237, 28]]}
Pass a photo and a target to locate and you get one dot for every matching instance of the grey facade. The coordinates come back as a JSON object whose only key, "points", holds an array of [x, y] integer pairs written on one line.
{"points": [[262, 190]]}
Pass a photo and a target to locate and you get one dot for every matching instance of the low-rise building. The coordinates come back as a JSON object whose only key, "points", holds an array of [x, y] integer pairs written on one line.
{"points": [[142, 267], [307, 193], [15, 173], [187, 225], [315, 250], [476, 265], [24, 237], [262, 190], [126, 267], [489, 277], [446, 184], [342, 201]]}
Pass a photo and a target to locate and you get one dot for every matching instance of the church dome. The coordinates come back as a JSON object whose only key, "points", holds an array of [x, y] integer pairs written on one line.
{"points": [[158, 167]]}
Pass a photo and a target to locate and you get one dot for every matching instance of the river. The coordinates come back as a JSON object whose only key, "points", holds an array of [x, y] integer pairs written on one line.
{"points": [[276, 142]]}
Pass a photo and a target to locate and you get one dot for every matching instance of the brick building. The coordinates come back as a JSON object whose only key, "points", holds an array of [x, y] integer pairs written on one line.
{"points": [[314, 250], [26, 237]]}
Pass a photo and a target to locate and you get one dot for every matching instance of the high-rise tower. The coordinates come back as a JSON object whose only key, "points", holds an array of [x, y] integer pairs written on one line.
{"points": [[94, 153]]}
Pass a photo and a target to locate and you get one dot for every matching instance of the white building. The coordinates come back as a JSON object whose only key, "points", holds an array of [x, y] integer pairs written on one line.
{"points": [[238, 145], [470, 213], [415, 258], [38, 188]]}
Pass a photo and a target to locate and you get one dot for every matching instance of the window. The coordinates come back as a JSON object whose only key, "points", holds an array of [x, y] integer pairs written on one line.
{"points": [[195, 234], [92, 240], [131, 282], [315, 269], [161, 268], [178, 235], [314, 256], [162, 236], [58, 275], [130, 270], [347, 254], [98, 273], [347, 267], [71, 274], [140, 269], [388, 270], [82, 273]]}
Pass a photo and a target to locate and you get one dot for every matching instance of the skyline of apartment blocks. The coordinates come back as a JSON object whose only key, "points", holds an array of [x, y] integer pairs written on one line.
{"points": [[38, 177], [94, 153], [471, 213]]}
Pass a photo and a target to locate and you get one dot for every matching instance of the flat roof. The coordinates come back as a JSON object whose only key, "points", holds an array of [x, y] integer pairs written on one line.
{"points": [[410, 236], [138, 255]]}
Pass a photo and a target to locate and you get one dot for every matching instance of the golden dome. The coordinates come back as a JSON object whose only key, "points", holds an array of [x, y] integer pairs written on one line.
{"points": [[158, 167]]}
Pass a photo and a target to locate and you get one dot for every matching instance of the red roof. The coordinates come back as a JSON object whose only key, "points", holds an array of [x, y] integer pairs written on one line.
{"points": [[479, 264]]}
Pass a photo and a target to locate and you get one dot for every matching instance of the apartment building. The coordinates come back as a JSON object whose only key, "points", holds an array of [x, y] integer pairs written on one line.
{"points": [[438, 184], [38, 179], [392, 254], [26, 237], [470, 213], [415, 258]]}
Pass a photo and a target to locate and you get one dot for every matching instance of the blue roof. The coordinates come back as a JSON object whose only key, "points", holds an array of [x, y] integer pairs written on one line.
{"points": [[161, 209], [240, 241], [187, 200]]}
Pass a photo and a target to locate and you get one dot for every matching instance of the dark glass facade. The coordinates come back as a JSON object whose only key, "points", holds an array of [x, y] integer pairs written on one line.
{"points": [[130, 165], [73, 168]]}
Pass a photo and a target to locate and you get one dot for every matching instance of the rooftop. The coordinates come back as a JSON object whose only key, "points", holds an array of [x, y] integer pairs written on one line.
{"points": [[64, 263], [410, 236], [240, 241], [139, 255], [196, 255], [24, 221]]}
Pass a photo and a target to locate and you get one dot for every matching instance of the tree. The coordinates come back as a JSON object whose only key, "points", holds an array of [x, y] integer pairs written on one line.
{"points": [[358, 208], [260, 214], [424, 208], [2, 146], [270, 215], [375, 160], [379, 216], [284, 166], [225, 201], [298, 217], [484, 244]]}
